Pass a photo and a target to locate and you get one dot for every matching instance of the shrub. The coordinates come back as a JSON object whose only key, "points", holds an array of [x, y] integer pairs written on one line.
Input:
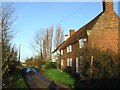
{"points": [[48, 65], [105, 63], [69, 70]]}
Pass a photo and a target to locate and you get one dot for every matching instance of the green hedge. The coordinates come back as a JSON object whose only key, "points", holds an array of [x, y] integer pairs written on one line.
{"points": [[14, 80]]}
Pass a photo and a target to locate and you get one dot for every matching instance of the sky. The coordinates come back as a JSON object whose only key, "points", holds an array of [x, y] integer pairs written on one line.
{"points": [[34, 16]]}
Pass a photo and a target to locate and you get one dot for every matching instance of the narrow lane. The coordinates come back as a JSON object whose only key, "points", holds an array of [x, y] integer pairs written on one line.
{"points": [[37, 80], [34, 81]]}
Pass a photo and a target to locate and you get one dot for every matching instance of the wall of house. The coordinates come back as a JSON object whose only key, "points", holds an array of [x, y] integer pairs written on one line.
{"points": [[119, 36], [73, 55], [104, 35]]}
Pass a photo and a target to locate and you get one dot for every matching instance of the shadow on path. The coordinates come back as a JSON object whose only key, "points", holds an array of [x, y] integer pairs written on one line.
{"points": [[37, 80]]}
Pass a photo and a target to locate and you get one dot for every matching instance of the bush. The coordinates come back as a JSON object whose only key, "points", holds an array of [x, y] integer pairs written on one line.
{"points": [[69, 70], [14, 80], [105, 63], [48, 65]]}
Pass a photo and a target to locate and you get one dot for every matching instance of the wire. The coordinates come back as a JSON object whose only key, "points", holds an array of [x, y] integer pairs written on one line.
{"points": [[73, 13]]}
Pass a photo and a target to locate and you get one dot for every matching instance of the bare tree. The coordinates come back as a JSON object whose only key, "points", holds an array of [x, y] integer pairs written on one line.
{"points": [[47, 49], [58, 39], [9, 53], [43, 43], [59, 36], [38, 43], [51, 39], [48, 42]]}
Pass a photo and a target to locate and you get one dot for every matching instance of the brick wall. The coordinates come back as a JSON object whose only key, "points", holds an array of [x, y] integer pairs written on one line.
{"points": [[105, 33], [72, 55]]}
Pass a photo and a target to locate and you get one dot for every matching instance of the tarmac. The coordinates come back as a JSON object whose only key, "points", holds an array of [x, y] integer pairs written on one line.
{"points": [[39, 81]]}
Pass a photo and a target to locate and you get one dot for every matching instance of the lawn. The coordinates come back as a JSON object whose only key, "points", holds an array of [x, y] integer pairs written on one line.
{"points": [[58, 76]]}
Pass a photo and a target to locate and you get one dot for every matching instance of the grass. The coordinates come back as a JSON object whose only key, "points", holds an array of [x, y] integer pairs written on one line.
{"points": [[58, 76], [19, 82]]}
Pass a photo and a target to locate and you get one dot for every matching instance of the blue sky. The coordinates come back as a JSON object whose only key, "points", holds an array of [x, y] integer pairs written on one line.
{"points": [[33, 16]]}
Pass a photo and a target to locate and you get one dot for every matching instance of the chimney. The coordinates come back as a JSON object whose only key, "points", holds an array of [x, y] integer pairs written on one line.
{"points": [[72, 32], [66, 37], [108, 6]]}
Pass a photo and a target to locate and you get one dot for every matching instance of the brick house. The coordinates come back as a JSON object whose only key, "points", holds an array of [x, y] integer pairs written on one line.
{"points": [[101, 32]]}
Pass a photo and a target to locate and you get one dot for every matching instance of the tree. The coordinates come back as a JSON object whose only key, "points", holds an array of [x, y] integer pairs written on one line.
{"points": [[58, 39], [97, 63], [38, 43], [59, 36], [48, 43], [9, 52], [43, 43]]}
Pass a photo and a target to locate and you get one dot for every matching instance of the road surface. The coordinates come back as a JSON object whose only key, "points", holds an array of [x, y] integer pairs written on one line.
{"points": [[37, 80]]}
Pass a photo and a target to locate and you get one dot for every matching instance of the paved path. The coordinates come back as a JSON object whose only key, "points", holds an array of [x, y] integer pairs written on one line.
{"points": [[39, 81], [34, 81]]}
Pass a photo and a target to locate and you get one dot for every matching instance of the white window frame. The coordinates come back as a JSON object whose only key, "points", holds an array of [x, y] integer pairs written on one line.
{"points": [[61, 62], [67, 49], [81, 43], [61, 52], [70, 61], [70, 47]]}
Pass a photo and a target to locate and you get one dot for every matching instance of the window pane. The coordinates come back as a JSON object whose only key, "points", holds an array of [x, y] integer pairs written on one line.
{"points": [[61, 52], [67, 49], [70, 48], [61, 62], [70, 61], [81, 43]]}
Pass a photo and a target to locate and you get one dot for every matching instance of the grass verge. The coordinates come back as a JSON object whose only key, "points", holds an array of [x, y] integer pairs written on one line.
{"points": [[58, 76]]}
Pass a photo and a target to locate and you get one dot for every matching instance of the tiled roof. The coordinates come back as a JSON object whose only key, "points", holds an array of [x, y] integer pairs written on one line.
{"points": [[82, 32]]}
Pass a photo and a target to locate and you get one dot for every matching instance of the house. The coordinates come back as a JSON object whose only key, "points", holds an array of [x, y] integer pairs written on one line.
{"points": [[101, 32], [56, 52]]}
